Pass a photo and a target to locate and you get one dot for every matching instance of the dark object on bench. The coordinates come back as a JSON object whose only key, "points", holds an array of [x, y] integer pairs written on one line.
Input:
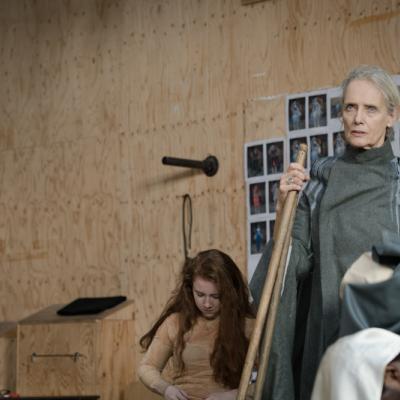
{"points": [[90, 305]]}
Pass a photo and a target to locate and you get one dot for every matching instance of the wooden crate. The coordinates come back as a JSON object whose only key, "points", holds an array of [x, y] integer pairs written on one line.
{"points": [[77, 355]]}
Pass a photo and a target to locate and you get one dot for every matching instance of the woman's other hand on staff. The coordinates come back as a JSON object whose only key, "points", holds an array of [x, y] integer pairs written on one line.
{"points": [[293, 179], [229, 395], [174, 393]]}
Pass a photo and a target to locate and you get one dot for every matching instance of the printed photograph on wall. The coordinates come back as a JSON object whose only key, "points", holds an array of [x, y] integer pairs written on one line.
{"points": [[396, 140], [396, 127], [336, 107], [317, 111], [318, 147], [339, 145], [271, 226], [273, 192], [255, 160], [258, 236], [257, 198], [296, 114], [294, 147], [275, 160]]}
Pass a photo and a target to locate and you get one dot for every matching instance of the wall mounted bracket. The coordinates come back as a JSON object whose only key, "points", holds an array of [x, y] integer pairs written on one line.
{"points": [[209, 165]]}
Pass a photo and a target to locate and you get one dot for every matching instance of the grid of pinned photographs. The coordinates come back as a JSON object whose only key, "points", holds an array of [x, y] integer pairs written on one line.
{"points": [[265, 161], [313, 118]]}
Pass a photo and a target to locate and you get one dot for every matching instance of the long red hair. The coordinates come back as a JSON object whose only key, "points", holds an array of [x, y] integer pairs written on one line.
{"points": [[230, 347]]}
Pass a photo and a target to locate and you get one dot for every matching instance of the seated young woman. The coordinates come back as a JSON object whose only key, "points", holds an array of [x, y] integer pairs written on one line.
{"points": [[203, 333]]}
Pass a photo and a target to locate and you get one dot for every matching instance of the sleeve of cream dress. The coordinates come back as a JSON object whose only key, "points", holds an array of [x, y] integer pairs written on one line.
{"points": [[156, 358]]}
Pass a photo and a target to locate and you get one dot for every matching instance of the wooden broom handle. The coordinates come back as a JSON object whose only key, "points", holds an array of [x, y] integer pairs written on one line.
{"points": [[271, 318], [283, 231]]}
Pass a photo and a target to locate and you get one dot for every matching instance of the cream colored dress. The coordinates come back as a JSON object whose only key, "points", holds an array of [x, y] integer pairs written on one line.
{"points": [[197, 378]]}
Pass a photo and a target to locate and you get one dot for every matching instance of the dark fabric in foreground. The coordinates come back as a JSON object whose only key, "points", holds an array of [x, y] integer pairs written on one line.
{"points": [[375, 305]]}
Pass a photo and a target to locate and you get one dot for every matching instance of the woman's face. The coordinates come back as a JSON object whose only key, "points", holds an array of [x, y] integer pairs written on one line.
{"points": [[365, 115], [206, 297]]}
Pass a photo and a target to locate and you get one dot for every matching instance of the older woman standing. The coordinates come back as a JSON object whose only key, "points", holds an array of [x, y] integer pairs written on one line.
{"points": [[342, 212]]}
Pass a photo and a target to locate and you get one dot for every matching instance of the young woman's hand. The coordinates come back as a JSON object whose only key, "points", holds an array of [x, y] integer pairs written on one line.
{"points": [[230, 395], [174, 393], [293, 179]]}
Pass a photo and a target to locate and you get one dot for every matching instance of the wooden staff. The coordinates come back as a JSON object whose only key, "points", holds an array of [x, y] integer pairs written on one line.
{"points": [[271, 318], [277, 261]]}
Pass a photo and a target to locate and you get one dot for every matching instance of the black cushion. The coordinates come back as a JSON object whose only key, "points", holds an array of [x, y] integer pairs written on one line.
{"points": [[90, 305]]}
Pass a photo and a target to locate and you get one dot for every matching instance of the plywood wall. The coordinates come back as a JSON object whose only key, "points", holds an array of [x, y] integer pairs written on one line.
{"points": [[94, 93]]}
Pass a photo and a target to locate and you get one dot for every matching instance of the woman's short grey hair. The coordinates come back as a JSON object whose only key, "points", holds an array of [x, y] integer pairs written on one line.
{"points": [[381, 79]]}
